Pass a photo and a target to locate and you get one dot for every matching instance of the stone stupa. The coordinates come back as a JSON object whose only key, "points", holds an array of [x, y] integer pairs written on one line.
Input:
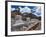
{"points": [[18, 20]]}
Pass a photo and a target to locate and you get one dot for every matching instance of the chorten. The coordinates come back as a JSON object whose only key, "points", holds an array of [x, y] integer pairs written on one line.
{"points": [[18, 20]]}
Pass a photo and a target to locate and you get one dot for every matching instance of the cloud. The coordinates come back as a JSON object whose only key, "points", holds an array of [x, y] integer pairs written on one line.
{"points": [[37, 11]]}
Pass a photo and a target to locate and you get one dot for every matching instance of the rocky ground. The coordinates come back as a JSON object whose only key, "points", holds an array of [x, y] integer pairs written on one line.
{"points": [[34, 24]]}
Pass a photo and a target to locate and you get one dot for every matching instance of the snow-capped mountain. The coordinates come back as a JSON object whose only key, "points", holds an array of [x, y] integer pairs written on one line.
{"points": [[25, 9], [28, 9]]}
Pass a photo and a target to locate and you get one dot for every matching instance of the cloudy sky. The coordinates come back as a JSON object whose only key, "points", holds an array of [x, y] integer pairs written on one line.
{"points": [[29, 9]]}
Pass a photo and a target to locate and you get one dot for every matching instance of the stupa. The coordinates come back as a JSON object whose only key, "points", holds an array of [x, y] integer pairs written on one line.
{"points": [[18, 20]]}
